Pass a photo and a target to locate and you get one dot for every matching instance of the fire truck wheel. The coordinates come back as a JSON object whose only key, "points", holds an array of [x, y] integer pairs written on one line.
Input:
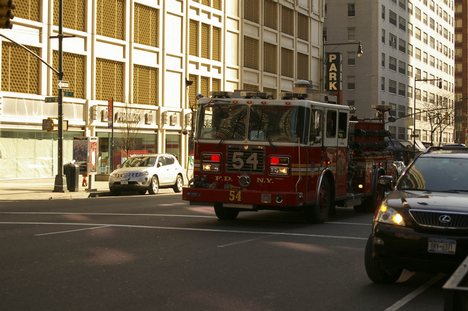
{"points": [[376, 271], [319, 213], [224, 213], [154, 185]]}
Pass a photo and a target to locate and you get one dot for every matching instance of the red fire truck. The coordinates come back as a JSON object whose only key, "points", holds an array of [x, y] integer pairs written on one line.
{"points": [[255, 153]]}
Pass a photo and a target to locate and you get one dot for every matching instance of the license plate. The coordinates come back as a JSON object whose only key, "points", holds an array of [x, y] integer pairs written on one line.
{"points": [[124, 182], [441, 246]]}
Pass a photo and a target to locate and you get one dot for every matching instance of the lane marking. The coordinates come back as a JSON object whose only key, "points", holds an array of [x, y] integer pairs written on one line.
{"points": [[68, 231], [160, 215], [324, 236], [243, 241], [403, 301]]}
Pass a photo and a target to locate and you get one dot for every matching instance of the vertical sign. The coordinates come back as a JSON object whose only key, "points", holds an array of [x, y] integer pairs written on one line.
{"points": [[92, 154], [333, 82], [110, 112]]}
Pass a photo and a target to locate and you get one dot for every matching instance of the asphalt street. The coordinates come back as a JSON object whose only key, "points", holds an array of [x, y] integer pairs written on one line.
{"points": [[155, 252]]}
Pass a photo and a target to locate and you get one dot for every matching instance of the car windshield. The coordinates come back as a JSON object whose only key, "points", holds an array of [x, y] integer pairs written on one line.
{"points": [[220, 121], [139, 162], [436, 174]]}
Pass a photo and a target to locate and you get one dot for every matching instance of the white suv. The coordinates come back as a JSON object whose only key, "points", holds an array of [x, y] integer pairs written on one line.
{"points": [[147, 172]]}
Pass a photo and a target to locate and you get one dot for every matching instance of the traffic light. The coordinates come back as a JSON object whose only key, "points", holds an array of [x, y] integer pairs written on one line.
{"points": [[6, 13]]}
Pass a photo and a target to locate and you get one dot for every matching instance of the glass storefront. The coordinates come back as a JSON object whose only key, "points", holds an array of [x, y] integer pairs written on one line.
{"points": [[173, 146], [124, 146], [32, 154]]}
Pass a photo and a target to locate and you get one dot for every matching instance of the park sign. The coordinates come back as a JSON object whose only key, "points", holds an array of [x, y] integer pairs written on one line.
{"points": [[333, 81]]}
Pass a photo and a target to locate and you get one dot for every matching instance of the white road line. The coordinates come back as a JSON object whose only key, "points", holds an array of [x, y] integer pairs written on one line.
{"points": [[107, 214], [324, 236], [68, 231], [403, 301], [242, 242]]}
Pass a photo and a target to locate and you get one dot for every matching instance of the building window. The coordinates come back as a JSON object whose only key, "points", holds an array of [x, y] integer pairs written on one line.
{"points": [[193, 43], [251, 53], [287, 24], [392, 86], [383, 12], [402, 89], [145, 85], [402, 23], [351, 9], [401, 67], [351, 33], [73, 13], [392, 40], [20, 70], [146, 23], [216, 44], [392, 63], [302, 66], [287, 63], [74, 66], [109, 80], [270, 58], [302, 27], [382, 83], [251, 11], [383, 35], [351, 83], [410, 71], [383, 60], [205, 40], [402, 45], [30, 10], [270, 14], [351, 58], [110, 18], [392, 17]]}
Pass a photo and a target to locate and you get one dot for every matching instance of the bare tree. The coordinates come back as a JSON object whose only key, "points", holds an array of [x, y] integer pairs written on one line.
{"points": [[129, 120], [439, 116]]}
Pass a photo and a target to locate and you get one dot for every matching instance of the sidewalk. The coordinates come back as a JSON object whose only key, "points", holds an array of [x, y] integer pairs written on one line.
{"points": [[43, 189]]}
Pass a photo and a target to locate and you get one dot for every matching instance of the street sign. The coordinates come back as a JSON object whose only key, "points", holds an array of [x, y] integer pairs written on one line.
{"points": [[68, 94], [51, 99], [62, 84]]}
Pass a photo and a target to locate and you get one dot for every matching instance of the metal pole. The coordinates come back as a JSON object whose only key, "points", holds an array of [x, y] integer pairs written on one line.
{"points": [[414, 119], [60, 178]]}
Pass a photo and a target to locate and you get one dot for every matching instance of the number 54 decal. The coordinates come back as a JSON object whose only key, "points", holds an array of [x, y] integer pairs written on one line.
{"points": [[234, 195]]}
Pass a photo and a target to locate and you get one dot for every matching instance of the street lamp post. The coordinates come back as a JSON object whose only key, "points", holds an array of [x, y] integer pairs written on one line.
{"points": [[414, 107]]}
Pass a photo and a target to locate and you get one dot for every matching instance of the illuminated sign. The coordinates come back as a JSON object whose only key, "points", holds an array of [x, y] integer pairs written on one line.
{"points": [[333, 70]]}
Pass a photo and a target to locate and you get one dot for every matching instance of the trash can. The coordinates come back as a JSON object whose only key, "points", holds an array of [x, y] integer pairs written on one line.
{"points": [[72, 174]]}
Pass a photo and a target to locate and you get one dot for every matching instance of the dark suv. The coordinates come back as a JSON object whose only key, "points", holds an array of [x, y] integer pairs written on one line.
{"points": [[423, 222]]}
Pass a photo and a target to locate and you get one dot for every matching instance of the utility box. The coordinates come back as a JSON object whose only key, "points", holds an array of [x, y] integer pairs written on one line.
{"points": [[72, 174]]}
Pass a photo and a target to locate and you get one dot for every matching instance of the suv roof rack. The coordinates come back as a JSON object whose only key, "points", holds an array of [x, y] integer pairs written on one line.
{"points": [[455, 147]]}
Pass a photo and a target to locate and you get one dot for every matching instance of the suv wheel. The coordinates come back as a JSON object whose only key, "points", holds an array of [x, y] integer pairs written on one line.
{"points": [[376, 270]]}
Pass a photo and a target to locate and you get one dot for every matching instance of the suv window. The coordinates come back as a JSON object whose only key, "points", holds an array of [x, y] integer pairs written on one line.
{"points": [[169, 160], [436, 174]]}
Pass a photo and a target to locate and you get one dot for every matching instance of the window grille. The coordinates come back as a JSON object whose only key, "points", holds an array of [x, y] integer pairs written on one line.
{"points": [[251, 53], [109, 80], [215, 85], [287, 63], [110, 18], [146, 24], [302, 27], [251, 11], [205, 40], [74, 14], [193, 90], [270, 58], [145, 85], [287, 21], [29, 9], [217, 4], [270, 14], [216, 43], [20, 69], [193, 38], [250, 87], [302, 66], [74, 71], [205, 86]]}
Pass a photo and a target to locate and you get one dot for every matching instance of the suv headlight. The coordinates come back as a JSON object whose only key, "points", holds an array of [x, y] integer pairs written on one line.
{"points": [[389, 215]]}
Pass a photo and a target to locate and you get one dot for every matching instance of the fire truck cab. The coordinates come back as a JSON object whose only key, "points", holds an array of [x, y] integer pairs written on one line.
{"points": [[254, 153]]}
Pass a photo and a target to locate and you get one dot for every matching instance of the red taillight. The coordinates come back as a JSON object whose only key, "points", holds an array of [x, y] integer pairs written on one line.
{"points": [[274, 160], [215, 158]]}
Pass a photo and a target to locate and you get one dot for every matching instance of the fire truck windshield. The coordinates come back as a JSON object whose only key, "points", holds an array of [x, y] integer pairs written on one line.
{"points": [[270, 123]]}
